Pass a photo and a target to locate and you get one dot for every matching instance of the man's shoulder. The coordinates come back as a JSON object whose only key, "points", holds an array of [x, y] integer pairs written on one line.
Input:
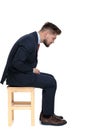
{"points": [[26, 37]]}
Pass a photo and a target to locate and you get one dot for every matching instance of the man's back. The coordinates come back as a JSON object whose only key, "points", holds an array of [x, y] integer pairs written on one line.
{"points": [[22, 58]]}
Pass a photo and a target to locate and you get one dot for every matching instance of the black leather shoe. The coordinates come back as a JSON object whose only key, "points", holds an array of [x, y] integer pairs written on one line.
{"points": [[58, 117], [52, 120]]}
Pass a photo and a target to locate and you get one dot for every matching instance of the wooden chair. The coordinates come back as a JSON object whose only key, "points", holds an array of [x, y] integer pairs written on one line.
{"points": [[20, 105]]}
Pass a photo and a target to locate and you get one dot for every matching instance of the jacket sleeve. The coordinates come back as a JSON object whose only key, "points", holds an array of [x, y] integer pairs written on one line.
{"points": [[19, 61]]}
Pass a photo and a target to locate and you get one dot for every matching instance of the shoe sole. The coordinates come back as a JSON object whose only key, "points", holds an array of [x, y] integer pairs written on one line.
{"points": [[53, 124]]}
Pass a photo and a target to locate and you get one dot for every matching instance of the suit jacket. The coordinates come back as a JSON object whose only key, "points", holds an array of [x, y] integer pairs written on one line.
{"points": [[21, 61]]}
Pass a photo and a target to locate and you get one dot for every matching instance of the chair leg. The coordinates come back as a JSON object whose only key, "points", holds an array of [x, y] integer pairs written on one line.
{"points": [[12, 101], [12, 114], [9, 117], [10, 95], [32, 110]]}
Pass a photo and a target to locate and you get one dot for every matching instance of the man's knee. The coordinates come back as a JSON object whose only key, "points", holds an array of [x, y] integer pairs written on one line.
{"points": [[53, 82]]}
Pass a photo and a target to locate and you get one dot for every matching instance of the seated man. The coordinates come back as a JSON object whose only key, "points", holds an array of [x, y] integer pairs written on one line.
{"points": [[21, 70]]}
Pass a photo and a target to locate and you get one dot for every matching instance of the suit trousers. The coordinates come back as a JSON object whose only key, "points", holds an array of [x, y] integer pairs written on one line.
{"points": [[48, 85]]}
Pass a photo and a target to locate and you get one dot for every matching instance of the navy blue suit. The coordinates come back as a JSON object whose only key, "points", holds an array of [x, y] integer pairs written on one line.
{"points": [[19, 71]]}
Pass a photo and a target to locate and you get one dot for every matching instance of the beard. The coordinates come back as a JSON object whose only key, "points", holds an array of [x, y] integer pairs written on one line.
{"points": [[45, 43]]}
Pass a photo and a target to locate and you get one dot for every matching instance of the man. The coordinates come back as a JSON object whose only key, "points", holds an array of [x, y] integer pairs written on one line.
{"points": [[21, 70]]}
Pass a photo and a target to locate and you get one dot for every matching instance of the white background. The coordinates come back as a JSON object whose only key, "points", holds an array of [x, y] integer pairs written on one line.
{"points": [[66, 59]]}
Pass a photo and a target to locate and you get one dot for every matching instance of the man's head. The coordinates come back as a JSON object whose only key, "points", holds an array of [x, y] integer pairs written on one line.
{"points": [[48, 33]]}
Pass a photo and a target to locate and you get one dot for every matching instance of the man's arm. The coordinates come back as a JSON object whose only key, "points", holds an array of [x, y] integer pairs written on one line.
{"points": [[19, 61]]}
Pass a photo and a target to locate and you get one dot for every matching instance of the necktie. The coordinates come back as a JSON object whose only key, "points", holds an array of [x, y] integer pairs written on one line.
{"points": [[38, 46]]}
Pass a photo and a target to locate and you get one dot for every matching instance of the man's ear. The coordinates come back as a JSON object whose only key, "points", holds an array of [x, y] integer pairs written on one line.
{"points": [[46, 33]]}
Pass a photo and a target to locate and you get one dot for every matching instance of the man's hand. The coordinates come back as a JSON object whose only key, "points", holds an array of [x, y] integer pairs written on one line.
{"points": [[36, 71]]}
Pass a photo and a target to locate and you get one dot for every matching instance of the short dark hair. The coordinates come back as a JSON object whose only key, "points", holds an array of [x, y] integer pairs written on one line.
{"points": [[52, 27]]}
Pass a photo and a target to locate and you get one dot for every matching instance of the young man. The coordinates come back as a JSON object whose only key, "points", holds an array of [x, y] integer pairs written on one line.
{"points": [[21, 70]]}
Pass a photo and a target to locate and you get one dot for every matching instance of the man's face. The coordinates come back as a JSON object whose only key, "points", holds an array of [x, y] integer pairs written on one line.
{"points": [[49, 39]]}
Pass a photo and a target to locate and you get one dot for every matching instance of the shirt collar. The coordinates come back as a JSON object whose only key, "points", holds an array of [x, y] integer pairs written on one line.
{"points": [[38, 37]]}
